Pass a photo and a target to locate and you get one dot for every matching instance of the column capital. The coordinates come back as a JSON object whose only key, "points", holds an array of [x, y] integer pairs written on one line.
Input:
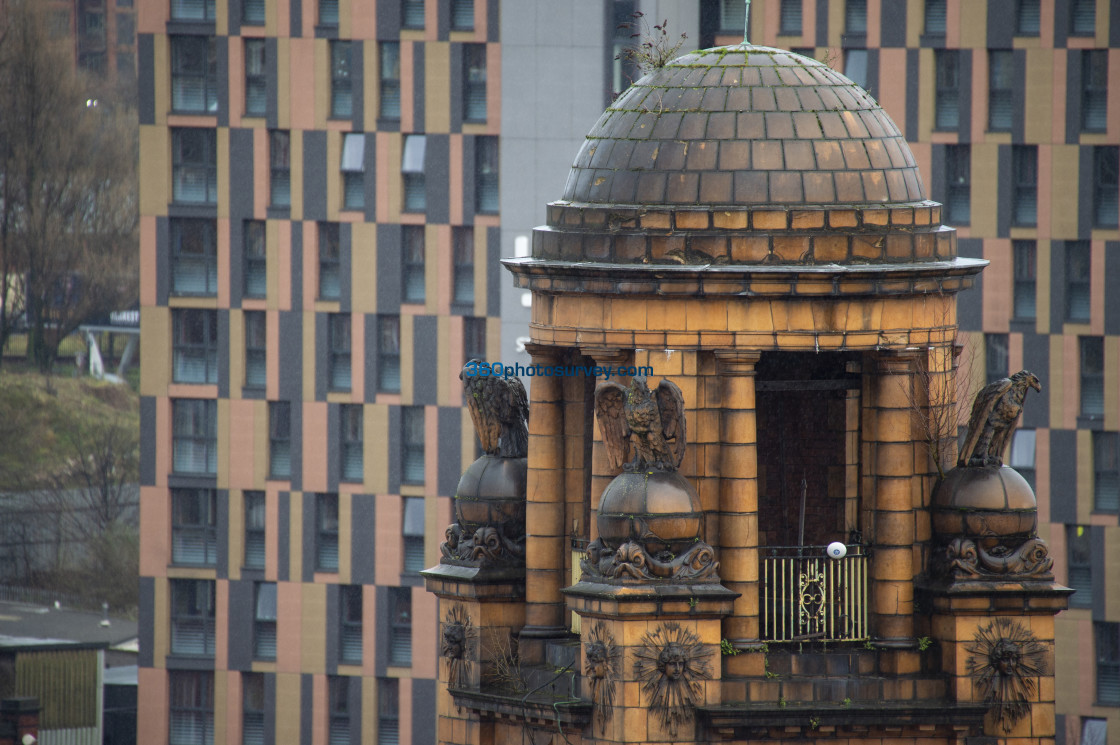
{"points": [[542, 351], [895, 361], [737, 361], [610, 355]]}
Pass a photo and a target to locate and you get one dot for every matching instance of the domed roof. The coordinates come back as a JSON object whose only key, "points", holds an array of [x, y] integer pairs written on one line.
{"points": [[744, 125]]}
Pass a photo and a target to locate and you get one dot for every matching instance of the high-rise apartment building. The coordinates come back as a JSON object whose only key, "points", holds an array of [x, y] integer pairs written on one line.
{"points": [[321, 185]]}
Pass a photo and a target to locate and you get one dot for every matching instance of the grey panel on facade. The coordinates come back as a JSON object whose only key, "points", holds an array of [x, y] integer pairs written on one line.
{"points": [[297, 268], [425, 359], [1073, 93], [307, 540], [423, 702], [450, 423], [1001, 26], [1057, 285], [394, 451], [291, 355], [331, 628], [283, 536], [388, 21], [346, 268], [1099, 561], [363, 525], [418, 78], [970, 311], [147, 441], [1063, 476], [272, 84], [912, 91], [388, 269], [966, 96], [163, 260], [1085, 173], [222, 63], [296, 455], [437, 178], [314, 175], [146, 78], [1003, 196], [822, 22], [223, 353], [381, 633], [306, 692], [222, 528], [493, 272], [322, 369], [357, 63], [1061, 23], [1036, 358], [241, 618], [334, 446], [893, 27], [146, 606]]}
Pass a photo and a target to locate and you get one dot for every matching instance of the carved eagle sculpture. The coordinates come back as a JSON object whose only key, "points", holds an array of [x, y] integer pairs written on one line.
{"points": [[499, 409], [642, 429], [995, 413]]}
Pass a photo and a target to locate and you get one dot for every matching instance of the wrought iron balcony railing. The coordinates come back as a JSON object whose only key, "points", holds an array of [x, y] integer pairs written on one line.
{"points": [[807, 596]]}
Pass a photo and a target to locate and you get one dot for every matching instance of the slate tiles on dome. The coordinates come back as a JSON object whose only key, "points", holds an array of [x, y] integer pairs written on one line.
{"points": [[744, 125]]}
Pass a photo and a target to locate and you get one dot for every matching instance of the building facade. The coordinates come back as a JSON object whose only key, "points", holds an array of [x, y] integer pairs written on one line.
{"points": [[320, 237]]}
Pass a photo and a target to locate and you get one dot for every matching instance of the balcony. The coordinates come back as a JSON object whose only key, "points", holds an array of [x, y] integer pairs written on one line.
{"points": [[807, 596]]}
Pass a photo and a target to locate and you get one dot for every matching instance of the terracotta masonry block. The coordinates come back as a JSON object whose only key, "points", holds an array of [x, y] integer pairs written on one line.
{"points": [[749, 250], [730, 220], [692, 219], [791, 248], [806, 219], [657, 220], [769, 220], [842, 218]]}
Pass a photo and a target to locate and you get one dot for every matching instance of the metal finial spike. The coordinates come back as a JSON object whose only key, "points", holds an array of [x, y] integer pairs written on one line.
{"points": [[747, 22]]}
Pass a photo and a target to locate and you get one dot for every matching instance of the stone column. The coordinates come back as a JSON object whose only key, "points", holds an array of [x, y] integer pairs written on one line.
{"points": [[738, 493], [544, 509], [601, 472], [892, 473]]}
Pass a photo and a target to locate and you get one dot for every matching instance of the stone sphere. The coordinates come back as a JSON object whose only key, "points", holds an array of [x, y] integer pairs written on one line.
{"points": [[986, 503], [491, 492], [658, 510]]}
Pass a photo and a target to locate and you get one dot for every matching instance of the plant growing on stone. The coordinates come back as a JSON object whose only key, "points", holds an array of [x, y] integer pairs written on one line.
{"points": [[651, 48]]}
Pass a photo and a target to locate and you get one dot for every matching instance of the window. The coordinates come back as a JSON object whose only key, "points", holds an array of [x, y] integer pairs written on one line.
{"points": [[474, 339], [855, 66], [390, 79], [1078, 263], [462, 15], [474, 82], [732, 16], [255, 259], [1094, 90], [400, 626], [412, 170], [256, 349], [412, 452], [254, 529], [194, 256], [462, 247], [1022, 454], [192, 10], [935, 17], [279, 439], [252, 12], [353, 171], [1108, 663], [1092, 375], [855, 17], [326, 538], [280, 162], [389, 354], [412, 239], [947, 103], [252, 708], [486, 174], [1106, 186], [1001, 82], [959, 176], [1028, 18], [194, 74], [789, 19], [190, 707], [194, 165], [194, 527], [195, 346], [1094, 731], [1026, 277], [192, 617], [351, 415], [126, 66], [1024, 177], [1106, 472], [413, 531], [328, 12], [995, 356], [338, 339], [126, 28], [342, 97], [194, 436], [350, 629], [338, 704], [256, 78], [264, 621], [388, 711], [1082, 17], [1080, 565], [329, 266], [412, 13]]}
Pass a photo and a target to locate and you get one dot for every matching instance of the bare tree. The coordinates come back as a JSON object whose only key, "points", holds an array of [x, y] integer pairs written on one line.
{"points": [[68, 221]]}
